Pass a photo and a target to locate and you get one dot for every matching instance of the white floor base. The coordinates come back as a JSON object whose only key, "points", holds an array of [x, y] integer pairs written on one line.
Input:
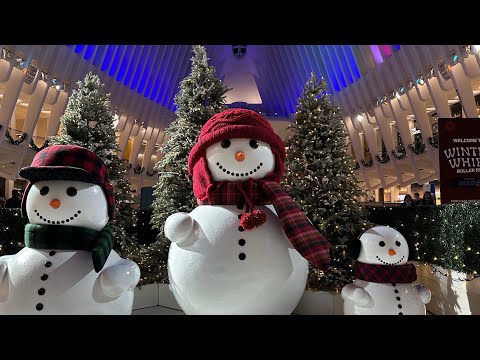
{"points": [[321, 302], [152, 295], [154, 298]]}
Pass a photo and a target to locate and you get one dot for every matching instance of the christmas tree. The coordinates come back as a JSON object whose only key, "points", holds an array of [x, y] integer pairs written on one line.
{"points": [[320, 177], [201, 95], [88, 122]]}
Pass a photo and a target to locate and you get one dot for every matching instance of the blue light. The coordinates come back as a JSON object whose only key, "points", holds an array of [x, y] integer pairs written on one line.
{"points": [[171, 69], [351, 61], [455, 57], [160, 85], [117, 60], [108, 57], [147, 71], [330, 69], [344, 64], [98, 55], [156, 85], [139, 68], [125, 63], [333, 58], [181, 75], [79, 48], [132, 66], [89, 52]]}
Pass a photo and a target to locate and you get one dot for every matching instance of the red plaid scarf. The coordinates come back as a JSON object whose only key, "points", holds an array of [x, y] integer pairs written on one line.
{"points": [[406, 273], [304, 237]]}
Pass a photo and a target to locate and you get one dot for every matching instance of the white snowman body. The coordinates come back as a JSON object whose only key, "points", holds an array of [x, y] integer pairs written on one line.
{"points": [[55, 281], [216, 267], [383, 245]]}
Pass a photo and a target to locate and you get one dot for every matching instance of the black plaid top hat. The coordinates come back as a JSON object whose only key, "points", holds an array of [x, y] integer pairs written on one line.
{"points": [[68, 162]]}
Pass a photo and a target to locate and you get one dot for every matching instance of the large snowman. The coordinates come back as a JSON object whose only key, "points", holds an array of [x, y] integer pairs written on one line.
{"points": [[384, 283], [68, 265], [245, 249]]}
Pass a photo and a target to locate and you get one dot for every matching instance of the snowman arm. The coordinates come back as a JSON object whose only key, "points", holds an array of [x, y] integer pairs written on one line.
{"points": [[181, 229], [3, 270], [424, 293], [357, 295], [3, 279], [119, 278]]}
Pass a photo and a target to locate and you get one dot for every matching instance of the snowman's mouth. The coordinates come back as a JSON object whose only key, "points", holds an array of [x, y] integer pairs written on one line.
{"points": [[58, 222], [239, 174], [394, 263]]}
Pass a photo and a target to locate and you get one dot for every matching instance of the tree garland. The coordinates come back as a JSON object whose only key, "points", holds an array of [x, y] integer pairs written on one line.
{"points": [[36, 148], [432, 142], [399, 154], [417, 148], [138, 169], [384, 158], [367, 164], [15, 142]]}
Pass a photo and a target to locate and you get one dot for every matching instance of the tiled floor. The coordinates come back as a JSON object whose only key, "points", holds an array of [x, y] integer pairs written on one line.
{"points": [[160, 310], [157, 310]]}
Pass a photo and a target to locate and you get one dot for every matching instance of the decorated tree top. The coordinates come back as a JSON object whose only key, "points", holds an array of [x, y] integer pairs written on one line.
{"points": [[88, 122], [320, 175], [201, 95]]}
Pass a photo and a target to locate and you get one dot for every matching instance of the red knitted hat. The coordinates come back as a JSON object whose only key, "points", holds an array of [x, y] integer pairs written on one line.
{"points": [[247, 124], [230, 124]]}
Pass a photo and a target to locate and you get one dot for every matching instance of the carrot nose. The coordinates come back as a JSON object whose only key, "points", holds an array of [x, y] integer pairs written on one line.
{"points": [[55, 203], [240, 156], [392, 252]]}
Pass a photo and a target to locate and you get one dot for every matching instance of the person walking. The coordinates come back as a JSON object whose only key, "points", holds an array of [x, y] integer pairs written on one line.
{"points": [[16, 200]]}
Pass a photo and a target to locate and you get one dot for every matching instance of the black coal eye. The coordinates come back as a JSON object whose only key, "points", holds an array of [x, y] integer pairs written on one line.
{"points": [[397, 243], [225, 144], [254, 144], [71, 191], [44, 190], [381, 243]]}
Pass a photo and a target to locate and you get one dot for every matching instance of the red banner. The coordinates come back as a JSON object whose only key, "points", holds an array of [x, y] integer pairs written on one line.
{"points": [[459, 152]]}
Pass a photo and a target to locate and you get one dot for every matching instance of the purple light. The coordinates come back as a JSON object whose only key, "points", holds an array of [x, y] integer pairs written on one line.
{"points": [[377, 55]]}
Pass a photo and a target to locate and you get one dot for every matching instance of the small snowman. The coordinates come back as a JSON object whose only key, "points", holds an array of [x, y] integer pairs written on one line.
{"points": [[245, 249], [67, 265], [384, 282]]}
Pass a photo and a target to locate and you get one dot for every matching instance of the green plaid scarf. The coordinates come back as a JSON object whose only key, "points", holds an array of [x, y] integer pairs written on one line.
{"points": [[62, 237]]}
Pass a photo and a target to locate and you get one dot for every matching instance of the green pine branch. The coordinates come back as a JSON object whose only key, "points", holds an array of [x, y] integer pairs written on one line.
{"points": [[320, 177], [201, 95], [88, 122]]}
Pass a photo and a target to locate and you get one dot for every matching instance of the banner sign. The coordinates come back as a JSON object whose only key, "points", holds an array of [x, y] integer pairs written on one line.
{"points": [[459, 155]]}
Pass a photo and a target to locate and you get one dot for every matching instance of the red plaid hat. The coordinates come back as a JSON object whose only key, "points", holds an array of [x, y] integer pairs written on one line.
{"points": [[68, 162], [230, 124]]}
